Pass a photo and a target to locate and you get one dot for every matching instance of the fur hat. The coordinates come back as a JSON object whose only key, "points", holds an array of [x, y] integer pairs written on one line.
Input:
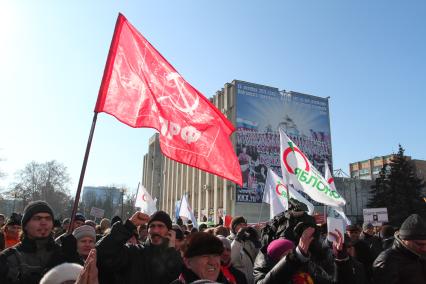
{"points": [[33, 208], [162, 217], [203, 243], [61, 273], [236, 221], [84, 231], [413, 228]]}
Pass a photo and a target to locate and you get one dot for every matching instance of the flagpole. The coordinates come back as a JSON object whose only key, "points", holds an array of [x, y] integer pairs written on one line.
{"points": [[137, 191], [82, 173]]}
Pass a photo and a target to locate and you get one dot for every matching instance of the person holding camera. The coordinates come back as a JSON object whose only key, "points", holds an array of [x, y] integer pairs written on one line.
{"points": [[302, 263], [156, 261], [244, 250]]}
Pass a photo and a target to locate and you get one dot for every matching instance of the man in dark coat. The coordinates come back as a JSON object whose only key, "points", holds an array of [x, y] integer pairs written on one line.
{"points": [[155, 261], [387, 233], [202, 260], [374, 243], [28, 261], [405, 262]]}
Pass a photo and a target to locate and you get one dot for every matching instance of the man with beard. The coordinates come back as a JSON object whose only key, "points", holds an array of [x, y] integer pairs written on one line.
{"points": [[405, 261], [156, 261], [28, 261]]}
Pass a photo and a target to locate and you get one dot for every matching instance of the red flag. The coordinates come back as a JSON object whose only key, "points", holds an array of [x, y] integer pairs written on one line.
{"points": [[141, 89]]}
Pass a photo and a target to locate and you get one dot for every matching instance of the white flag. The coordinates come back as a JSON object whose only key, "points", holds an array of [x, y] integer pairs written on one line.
{"points": [[275, 194], [304, 176], [186, 211], [144, 201], [334, 211]]}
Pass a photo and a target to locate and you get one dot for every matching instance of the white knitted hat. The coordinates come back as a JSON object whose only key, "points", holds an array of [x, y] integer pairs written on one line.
{"points": [[61, 273]]}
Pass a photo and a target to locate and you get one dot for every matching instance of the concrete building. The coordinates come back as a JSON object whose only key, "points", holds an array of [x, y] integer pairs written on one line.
{"points": [[214, 197], [370, 169], [357, 193], [152, 174], [101, 193]]}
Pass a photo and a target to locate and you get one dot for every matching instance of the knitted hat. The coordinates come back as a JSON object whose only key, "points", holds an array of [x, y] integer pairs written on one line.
{"points": [[226, 243], [84, 231], [203, 243], [61, 273], [33, 208], [236, 221], [277, 247], [90, 223], [66, 221], [15, 219], [161, 216], [79, 217], [413, 228]]}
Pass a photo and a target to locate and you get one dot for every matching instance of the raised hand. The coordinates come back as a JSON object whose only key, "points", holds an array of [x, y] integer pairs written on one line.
{"points": [[89, 274], [306, 239], [172, 238], [139, 218]]}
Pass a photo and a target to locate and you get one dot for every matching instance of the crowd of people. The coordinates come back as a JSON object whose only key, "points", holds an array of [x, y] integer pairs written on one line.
{"points": [[152, 249]]}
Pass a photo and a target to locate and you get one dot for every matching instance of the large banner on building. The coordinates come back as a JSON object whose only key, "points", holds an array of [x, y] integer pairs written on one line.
{"points": [[261, 110]]}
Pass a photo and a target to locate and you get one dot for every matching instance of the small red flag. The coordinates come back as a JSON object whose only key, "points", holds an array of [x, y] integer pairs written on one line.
{"points": [[141, 89]]}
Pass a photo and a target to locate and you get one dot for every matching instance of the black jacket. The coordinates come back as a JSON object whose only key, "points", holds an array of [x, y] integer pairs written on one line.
{"points": [[374, 244], [187, 276], [268, 272], [399, 265], [29, 260], [137, 263]]}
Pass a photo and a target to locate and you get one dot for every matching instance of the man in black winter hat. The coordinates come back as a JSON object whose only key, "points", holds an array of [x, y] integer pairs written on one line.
{"points": [[202, 259], [405, 262], [28, 261], [156, 261]]}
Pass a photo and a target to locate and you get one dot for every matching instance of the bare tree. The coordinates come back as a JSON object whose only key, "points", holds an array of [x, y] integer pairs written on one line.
{"points": [[47, 181]]}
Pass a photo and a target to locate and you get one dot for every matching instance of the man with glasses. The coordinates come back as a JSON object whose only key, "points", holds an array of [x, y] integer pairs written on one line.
{"points": [[155, 261], [29, 260], [405, 262]]}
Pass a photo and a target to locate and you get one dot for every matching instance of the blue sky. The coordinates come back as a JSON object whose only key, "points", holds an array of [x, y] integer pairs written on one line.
{"points": [[368, 56]]}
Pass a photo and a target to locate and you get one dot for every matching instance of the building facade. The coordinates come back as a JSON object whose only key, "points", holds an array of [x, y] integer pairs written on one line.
{"points": [[370, 169], [257, 111]]}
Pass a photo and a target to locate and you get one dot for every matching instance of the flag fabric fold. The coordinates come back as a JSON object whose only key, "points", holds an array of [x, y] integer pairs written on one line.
{"points": [[303, 175], [275, 194], [334, 211], [141, 89], [185, 211], [144, 201]]}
